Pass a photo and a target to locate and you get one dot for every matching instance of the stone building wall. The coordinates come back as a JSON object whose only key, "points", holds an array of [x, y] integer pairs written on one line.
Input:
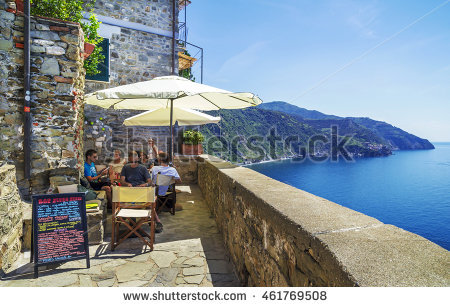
{"points": [[57, 83], [278, 235], [105, 132], [152, 13], [11, 217], [135, 56]]}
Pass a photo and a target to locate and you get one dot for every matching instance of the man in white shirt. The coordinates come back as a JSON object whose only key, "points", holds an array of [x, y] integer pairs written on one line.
{"points": [[164, 169]]}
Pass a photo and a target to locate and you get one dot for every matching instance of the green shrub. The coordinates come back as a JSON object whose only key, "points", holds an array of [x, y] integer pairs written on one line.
{"points": [[192, 137], [72, 10]]}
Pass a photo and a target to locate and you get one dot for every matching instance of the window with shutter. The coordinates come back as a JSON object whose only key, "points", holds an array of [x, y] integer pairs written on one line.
{"points": [[103, 67]]}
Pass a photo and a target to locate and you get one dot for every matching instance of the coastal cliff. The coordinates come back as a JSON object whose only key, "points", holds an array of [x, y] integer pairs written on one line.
{"points": [[395, 138], [278, 130]]}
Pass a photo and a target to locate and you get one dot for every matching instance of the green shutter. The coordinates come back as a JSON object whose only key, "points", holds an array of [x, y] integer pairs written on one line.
{"points": [[102, 67]]}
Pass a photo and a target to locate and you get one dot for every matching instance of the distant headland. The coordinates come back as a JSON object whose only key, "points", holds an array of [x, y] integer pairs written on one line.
{"points": [[296, 126]]}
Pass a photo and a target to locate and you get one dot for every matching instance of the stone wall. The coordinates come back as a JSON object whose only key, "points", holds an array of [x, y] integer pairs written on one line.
{"points": [[11, 217], [152, 13], [57, 83], [135, 56], [187, 167], [278, 235], [105, 132]]}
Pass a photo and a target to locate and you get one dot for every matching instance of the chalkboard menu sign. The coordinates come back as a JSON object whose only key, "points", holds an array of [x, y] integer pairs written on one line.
{"points": [[59, 229]]}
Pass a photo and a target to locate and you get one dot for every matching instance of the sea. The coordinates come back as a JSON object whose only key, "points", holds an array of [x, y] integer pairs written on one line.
{"points": [[409, 189]]}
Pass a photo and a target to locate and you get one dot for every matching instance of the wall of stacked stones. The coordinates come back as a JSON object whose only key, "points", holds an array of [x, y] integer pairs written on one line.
{"points": [[135, 56], [187, 168], [278, 235], [11, 218], [152, 13], [105, 132], [57, 83]]}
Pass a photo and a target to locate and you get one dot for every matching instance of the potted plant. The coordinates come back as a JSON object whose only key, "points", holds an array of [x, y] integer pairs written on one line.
{"points": [[192, 142], [88, 49]]}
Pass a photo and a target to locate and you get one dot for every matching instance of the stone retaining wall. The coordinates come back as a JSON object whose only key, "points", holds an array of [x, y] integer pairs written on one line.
{"points": [[57, 87], [278, 235], [11, 217], [187, 167]]}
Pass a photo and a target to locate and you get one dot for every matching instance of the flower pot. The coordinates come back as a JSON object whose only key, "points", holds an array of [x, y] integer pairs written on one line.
{"points": [[88, 49], [19, 6], [192, 149]]}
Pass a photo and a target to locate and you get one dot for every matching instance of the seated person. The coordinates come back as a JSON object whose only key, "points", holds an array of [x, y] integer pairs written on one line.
{"points": [[91, 175], [135, 175], [143, 160], [116, 165], [164, 169]]}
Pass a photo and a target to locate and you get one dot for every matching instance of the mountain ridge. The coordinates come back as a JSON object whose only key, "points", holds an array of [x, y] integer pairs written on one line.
{"points": [[288, 108], [278, 130], [397, 138]]}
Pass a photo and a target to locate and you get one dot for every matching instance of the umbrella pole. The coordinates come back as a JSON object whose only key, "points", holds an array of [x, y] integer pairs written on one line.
{"points": [[171, 130]]}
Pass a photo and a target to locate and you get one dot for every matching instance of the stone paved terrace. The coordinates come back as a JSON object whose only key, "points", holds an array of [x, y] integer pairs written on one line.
{"points": [[189, 252]]}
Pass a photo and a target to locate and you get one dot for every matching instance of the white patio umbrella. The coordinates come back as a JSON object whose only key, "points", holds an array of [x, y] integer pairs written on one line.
{"points": [[161, 117], [169, 92], [160, 91]]}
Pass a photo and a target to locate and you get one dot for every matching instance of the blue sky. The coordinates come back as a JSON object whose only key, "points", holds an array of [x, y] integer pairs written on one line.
{"points": [[314, 54]]}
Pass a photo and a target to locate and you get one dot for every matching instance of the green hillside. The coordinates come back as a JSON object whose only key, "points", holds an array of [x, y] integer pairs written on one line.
{"points": [[241, 131], [396, 137], [278, 129], [385, 133], [255, 134]]}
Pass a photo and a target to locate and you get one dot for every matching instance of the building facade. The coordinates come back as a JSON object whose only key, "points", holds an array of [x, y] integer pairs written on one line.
{"points": [[56, 107], [139, 37], [138, 44]]}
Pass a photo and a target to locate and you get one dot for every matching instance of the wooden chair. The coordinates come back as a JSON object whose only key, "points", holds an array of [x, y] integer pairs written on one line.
{"points": [[169, 196], [133, 208]]}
